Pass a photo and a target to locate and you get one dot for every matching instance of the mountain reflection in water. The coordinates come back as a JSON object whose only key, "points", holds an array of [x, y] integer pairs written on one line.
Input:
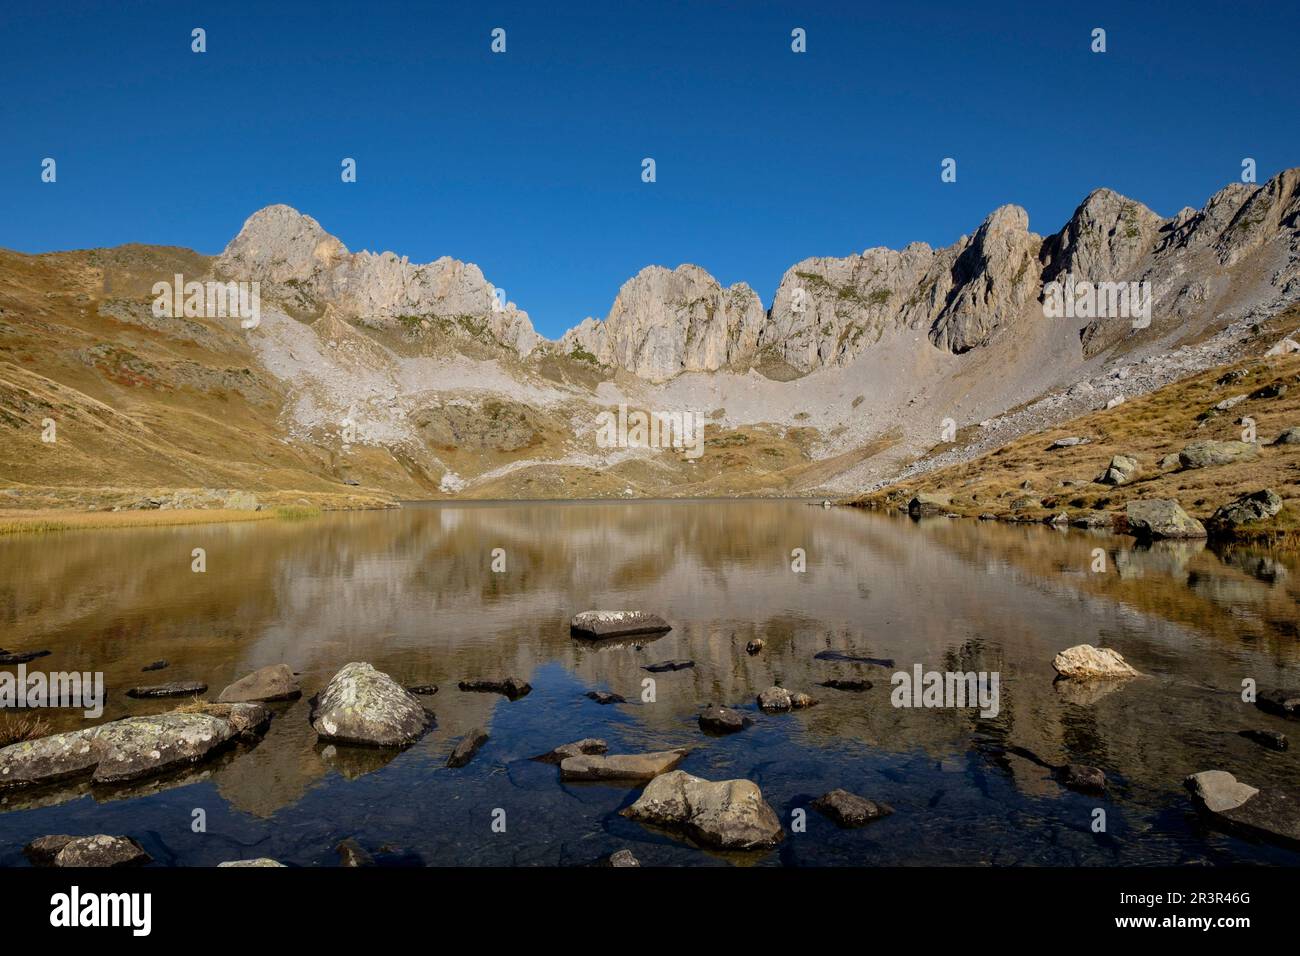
{"points": [[412, 592]]}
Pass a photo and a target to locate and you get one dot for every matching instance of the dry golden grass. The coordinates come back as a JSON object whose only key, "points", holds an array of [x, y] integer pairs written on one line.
{"points": [[37, 522], [1150, 428], [22, 727]]}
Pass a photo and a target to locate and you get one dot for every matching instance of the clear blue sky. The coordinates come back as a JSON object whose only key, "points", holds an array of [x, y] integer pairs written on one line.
{"points": [[529, 163]]}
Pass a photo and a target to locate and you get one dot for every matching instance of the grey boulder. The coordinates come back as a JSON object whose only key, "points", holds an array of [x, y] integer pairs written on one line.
{"points": [[724, 814], [361, 705], [274, 682]]}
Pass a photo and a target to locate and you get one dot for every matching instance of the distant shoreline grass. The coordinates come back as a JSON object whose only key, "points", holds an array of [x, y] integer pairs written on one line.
{"points": [[49, 521]]}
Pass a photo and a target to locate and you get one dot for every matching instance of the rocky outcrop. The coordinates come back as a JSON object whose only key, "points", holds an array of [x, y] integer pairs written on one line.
{"points": [[361, 705], [297, 261], [665, 322], [778, 700], [1162, 518], [271, 683], [725, 815], [1085, 662], [1103, 240]]}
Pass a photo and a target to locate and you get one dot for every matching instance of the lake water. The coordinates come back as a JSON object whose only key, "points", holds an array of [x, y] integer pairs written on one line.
{"points": [[413, 592]]}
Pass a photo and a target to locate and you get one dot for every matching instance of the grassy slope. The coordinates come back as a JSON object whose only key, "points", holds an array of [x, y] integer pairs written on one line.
{"points": [[1149, 428]]}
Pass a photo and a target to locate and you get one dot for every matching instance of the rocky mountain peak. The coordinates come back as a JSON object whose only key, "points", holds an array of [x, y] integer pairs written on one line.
{"points": [[301, 263]]}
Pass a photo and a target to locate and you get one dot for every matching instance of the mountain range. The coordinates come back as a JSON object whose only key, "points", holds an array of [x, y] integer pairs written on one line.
{"points": [[367, 373]]}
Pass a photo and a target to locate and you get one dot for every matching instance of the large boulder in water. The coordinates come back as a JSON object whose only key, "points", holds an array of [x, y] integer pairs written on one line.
{"points": [[1162, 518], [361, 705], [275, 682], [601, 624], [724, 814], [132, 747]]}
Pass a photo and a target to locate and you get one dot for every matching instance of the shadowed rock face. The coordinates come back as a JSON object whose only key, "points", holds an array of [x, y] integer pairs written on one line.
{"points": [[361, 705]]}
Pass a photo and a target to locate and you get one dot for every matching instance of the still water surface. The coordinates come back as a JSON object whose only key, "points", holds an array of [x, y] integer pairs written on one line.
{"points": [[412, 591]]}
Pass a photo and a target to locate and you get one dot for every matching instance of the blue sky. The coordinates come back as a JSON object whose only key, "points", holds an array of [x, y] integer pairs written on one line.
{"points": [[529, 162]]}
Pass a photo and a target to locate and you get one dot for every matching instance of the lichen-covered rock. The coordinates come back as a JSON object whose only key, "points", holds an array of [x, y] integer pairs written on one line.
{"points": [[1162, 518], [361, 705], [602, 624], [271, 683], [1246, 509], [724, 814], [1204, 454], [130, 748], [1085, 662], [1121, 470], [1290, 436], [100, 850]]}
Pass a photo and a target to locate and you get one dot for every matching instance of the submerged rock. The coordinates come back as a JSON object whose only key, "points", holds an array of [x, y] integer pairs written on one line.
{"points": [[20, 657], [351, 853], [848, 810], [467, 747], [100, 850], [622, 858], [848, 683], [846, 658], [605, 697], [724, 814], [634, 767], [1272, 815], [602, 624], [512, 687], [1085, 662], [1162, 518], [587, 745], [1272, 739], [1081, 777], [361, 705], [663, 666], [716, 719], [423, 690], [274, 682], [1283, 702], [177, 688], [155, 666]]}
